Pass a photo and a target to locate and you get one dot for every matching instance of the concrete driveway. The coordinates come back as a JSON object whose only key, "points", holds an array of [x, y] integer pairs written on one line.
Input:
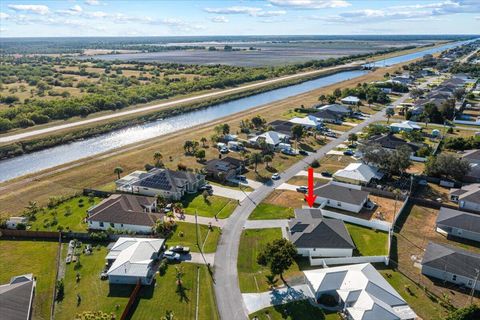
{"points": [[229, 193], [315, 174], [259, 301], [196, 257], [287, 186], [249, 183]]}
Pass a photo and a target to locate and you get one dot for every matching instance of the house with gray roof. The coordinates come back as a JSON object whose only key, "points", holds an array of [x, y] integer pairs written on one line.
{"points": [[467, 197], [473, 158], [330, 116], [125, 212], [458, 223], [341, 196], [167, 183], [316, 236], [451, 264], [224, 169], [16, 298]]}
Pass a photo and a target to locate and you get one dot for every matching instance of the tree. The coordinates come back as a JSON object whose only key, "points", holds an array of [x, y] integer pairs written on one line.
{"points": [[352, 137], [279, 255], [399, 160], [267, 159], [200, 154], [258, 122], [203, 140], [297, 132], [179, 273], [337, 93], [389, 113], [157, 156], [471, 312], [322, 98], [205, 195], [256, 158], [331, 99], [118, 171], [188, 146], [447, 166], [168, 315], [164, 228]]}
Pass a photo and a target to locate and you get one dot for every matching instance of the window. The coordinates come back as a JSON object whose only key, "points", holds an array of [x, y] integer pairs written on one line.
{"points": [[470, 283], [101, 224], [121, 225], [339, 204], [454, 277], [112, 224]]}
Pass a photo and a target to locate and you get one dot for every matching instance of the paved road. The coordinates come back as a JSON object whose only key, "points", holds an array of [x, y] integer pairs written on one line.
{"points": [[32, 133], [227, 291]]}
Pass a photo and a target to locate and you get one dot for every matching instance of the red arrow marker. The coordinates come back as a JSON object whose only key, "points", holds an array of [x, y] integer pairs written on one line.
{"points": [[310, 197]]}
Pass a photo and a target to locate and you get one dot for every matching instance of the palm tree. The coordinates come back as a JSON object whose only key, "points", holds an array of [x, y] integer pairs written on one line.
{"points": [[168, 315], [389, 113], [256, 158], [157, 156], [203, 140], [179, 273], [118, 171], [267, 159], [177, 207]]}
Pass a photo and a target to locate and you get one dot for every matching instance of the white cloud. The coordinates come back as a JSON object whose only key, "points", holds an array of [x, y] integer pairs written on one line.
{"points": [[92, 2], [311, 4], [4, 15], [75, 10], [251, 11], [96, 14], [32, 8], [219, 19]]}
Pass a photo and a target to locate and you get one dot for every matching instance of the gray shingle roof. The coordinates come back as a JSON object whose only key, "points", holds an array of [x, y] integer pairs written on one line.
{"points": [[310, 230], [165, 179], [451, 259], [459, 219], [16, 298], [339, 193]]}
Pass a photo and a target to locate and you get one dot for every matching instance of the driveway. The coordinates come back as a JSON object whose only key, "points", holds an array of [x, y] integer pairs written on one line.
{"points": [[227, 292], [259, 301], [196, 257], [287, 186], [315, 174], [229, 192], [265, 224], [201, 220], [249, 183]]}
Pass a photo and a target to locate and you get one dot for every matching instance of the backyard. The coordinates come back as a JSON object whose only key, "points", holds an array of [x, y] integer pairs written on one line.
{"points": [[297, 310], [214, 205], [185, 235], [369, 242], [36, 257], [251, 275], [266, 211]]}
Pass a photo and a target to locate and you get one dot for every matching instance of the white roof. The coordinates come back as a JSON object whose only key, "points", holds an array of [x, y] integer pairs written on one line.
{"points": [[335, 108], [369, 295], [309, 120], [133, 256], [351, 99], [358, 172], [406, 125], [271, 137]]}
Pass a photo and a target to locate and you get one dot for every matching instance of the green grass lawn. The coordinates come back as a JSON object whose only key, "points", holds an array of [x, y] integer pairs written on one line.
{"points": [[298, 310], [96, 294], [38, 258], [189, 237], [156, 300], [69, 215], [426, 306], [251, 275], [266, 211], [220, 206], [368, 242]]}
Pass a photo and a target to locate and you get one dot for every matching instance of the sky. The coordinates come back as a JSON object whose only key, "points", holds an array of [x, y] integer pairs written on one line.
{"points": [[37, 18]]}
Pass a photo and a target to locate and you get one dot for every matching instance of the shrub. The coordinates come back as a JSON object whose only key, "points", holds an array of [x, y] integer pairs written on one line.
{"points": [[315, 164]]}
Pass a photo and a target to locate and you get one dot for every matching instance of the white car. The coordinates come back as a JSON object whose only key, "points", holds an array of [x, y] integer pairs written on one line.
{"points": [[275, 176], [170, 255]]}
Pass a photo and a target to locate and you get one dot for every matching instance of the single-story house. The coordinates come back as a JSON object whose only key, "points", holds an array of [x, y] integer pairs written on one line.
{"points": [[458, 223], [340, 196], [309, 121], [473, 157], [360, 291], [407, 126], [281, 126], [405, 80], [13, 222], [328, 116], [467, 197], [16, 298], [315, 236], [224, 169], [392, 142], [337, 108], [357, 173], [451, 264], [350, 100], [125, 212], [169, 184], [271, 138], [133, 259]]}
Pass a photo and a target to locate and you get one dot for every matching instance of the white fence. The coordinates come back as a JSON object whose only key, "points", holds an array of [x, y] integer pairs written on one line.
{"points": [[348, 260], [373, 224], [472, 123]]}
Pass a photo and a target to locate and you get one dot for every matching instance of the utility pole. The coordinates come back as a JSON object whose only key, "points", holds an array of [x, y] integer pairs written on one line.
{"points": [[196, 229], [477, 271]]}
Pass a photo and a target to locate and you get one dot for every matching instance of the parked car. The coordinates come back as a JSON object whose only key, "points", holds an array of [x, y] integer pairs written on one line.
{"points": [[224, 150], [302, 189], [180, 249], [167, 208], [348, 152], [170, 255], [331, 134], [205, 187], [326, 174], [275, 176], [289, 152], [303, 152]]}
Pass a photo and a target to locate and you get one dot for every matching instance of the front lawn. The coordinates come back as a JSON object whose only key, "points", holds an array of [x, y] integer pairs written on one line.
{"points": [[68, 215], [251, 275], [155, 300], [265, 211], [215, 205], [297, 310], [95, 294], [369, 242], [38, 258], [186, 235]]}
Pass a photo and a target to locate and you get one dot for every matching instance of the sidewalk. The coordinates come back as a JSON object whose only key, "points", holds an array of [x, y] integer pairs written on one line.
{"points": [[202, 220]]}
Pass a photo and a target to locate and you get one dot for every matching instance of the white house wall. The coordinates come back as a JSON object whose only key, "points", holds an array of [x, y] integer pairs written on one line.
{"points": [[447, 276], [95, 225], [324, 252]]}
